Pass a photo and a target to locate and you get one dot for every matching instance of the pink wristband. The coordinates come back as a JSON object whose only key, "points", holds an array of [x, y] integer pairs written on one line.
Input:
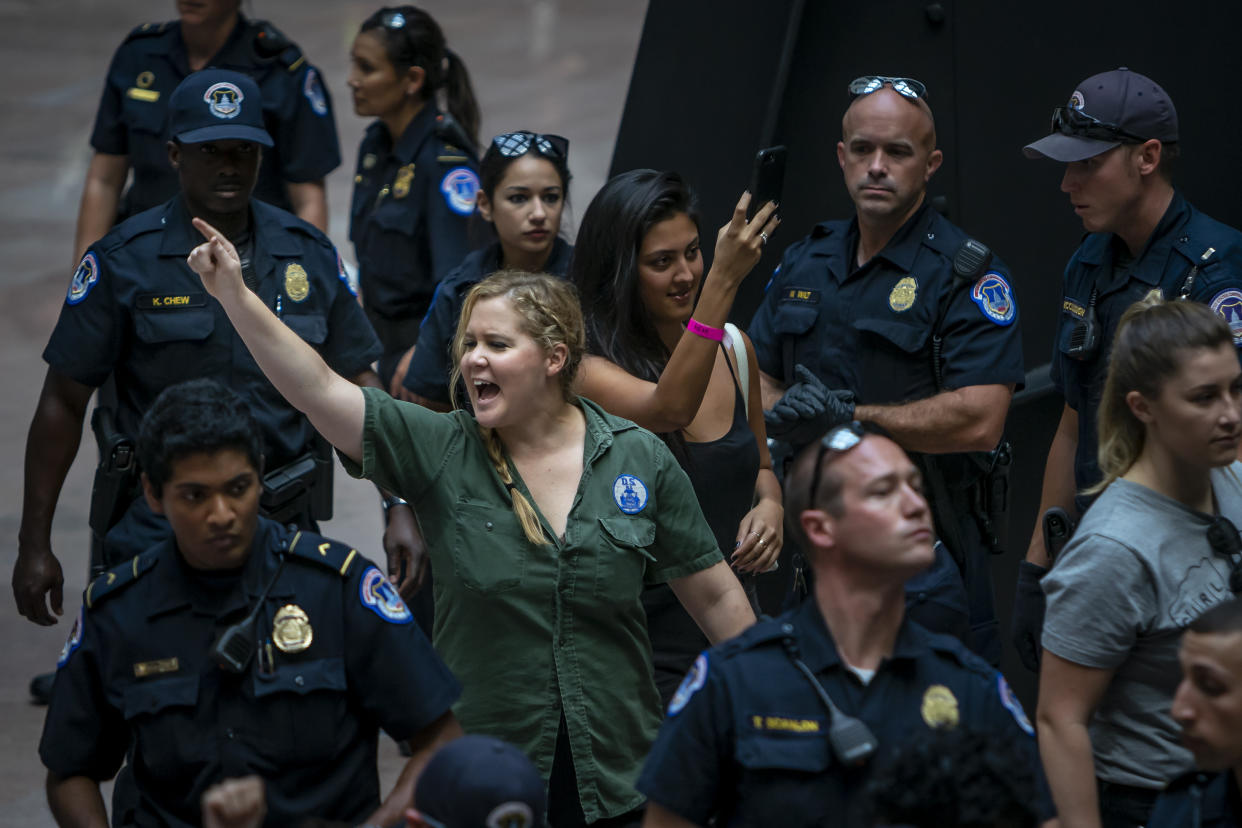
{"points": [[706, 331]]}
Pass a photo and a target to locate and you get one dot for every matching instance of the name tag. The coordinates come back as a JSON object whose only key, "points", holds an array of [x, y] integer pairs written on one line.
{"points": [[143, 669], [795, 294], [164, 301], [1073, 308], [784, 725]]}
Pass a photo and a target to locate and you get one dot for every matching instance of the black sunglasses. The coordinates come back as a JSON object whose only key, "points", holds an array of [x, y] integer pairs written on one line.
{"points": [[906, 87], [1069, 120], [1223, 537], [392, 20], [513, 144], [839, 440]]}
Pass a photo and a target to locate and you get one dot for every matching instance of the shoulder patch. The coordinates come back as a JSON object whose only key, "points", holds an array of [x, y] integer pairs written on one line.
{"points": [[84, 278], [379, 596], [117, 578], [312, 90], [343, 275], [995, 298], [1011, 703], [306, 546], [146, 30], [74, 640], [691, 684], [1228, 303], [460, 187]]}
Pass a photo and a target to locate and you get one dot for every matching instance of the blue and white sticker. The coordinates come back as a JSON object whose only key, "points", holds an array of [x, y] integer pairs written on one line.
{"points": [[312, 88], [84, 278], [630, 493], [691, 684], [380, 596], [343, 275], [224, 100], [460, 186], [995, 298], [1228, 303], [772, 278], [74, 640], [1011, 703]]}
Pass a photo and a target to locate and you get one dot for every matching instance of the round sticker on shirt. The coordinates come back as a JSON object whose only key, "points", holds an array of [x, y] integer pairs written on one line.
{"points": [[75, 639], [1011, 703], [381, 598], [460, 186], [1228, 303], [630, 493], [690, 685], [995, 298], [313, 90], [84, 278]]}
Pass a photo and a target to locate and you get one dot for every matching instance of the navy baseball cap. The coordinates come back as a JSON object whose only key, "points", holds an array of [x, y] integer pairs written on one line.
{"points": [[1106, 110], [481, 782], [217, 105]]}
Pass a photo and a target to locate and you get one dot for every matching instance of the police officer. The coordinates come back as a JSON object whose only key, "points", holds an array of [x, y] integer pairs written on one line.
{"points": [[898, 313], [1208, 706], [1118, 137], [131, 126], [477, 781], [784, 723], [236, 647], [417, 176], [137, 316]]}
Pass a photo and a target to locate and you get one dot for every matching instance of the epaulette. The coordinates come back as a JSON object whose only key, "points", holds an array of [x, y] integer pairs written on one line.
{"points": [[454, 138], [117, 578], [146, 30], [309, 547], [271, 44], [763, 632]]}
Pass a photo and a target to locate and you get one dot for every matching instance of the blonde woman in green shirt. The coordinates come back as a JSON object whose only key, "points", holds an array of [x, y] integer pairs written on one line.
{"points": [[544, 517]]}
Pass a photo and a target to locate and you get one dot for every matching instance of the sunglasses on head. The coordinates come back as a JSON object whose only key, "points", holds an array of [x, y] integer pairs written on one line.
{"points": [[906, 87], [1223, 537], [838, 441], [513, 144], [392, 20], [1069, 120]]}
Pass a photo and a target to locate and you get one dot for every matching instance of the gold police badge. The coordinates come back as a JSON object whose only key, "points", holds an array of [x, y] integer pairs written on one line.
{"points": [[401, 186], [902, 296], [297, 286], [940, 707], [291, 629]]}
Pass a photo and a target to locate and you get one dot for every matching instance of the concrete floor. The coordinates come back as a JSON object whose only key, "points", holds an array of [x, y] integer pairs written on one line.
{"points": [[558, 66]]}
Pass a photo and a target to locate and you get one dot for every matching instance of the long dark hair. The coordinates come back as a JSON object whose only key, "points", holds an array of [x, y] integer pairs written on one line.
{"points": [[605, 265], [411, 37]]}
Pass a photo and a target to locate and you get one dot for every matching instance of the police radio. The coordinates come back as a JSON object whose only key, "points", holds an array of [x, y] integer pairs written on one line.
{"points": [[852, 741], [236, 645], [1084, 337]]}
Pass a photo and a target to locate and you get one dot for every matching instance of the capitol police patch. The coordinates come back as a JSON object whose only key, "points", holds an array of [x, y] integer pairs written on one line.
{"points": [[343, 275], [224, 100], [1011, 703], [74, 640], [630, 493], [1228, 303], [312, 89], [691, 684], [84, 278], [995, 298], [381, 598], [460, 186]]}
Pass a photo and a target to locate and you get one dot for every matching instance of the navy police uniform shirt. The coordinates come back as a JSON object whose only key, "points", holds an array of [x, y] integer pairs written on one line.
{"points": [[1199, 800], [1177, 245], [429, 368], [746, 738], [133, 112], [412, 203], [338, 658], [135, 311]]}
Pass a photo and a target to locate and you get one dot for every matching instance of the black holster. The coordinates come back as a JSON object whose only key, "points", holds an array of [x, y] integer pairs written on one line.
{"points": [[116, 481], [300, 490], [974, 484]]}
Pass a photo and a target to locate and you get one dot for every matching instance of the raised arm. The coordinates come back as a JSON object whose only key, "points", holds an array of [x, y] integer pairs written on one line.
{"points": [[671, 403], [334, 405]]}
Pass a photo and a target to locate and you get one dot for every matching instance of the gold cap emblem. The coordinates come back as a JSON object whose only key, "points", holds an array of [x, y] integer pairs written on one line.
{"points": [[297, 286], [291, 629]]}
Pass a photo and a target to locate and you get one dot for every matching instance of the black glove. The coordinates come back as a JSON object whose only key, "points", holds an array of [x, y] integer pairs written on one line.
{"points": [[808, 410], [1028, 614]]}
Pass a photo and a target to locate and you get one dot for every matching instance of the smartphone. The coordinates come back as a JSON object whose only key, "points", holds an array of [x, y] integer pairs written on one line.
{"points": [[767, 180]]}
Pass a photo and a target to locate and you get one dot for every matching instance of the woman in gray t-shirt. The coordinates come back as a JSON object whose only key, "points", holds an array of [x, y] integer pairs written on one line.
{"points": [[1140, 567]]}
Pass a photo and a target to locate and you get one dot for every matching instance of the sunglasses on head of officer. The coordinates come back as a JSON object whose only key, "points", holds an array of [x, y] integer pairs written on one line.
{"points": [[906, 87]]}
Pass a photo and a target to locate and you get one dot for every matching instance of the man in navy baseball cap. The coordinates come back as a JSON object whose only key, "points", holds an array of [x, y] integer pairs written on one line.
{"points": [[479, 782], [217, 105]]}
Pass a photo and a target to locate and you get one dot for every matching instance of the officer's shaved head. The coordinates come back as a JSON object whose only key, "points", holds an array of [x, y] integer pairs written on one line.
{"points": [[913, 114]]}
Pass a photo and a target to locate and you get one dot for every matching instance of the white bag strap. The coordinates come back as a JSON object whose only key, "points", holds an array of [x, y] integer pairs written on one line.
{"points": [[743, 367]]}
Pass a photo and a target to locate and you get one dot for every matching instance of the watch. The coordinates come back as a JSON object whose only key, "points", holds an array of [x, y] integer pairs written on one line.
{"points": [[392, 500]]}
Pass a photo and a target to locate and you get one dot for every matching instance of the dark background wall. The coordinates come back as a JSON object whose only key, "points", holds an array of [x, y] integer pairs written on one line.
{"points": [[715, 80]]}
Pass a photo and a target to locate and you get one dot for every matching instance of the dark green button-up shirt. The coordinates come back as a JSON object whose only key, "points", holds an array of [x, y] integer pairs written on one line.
{"points": [[537, 632]]}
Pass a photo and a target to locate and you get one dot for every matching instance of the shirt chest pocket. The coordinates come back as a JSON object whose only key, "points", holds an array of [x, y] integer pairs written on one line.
{"points": [[762, 752], [796, 321], [161, 714], [623, 557], [302, 714], [395, 244], [490, 549], [312, 327], [175, 342], [895, 361]]}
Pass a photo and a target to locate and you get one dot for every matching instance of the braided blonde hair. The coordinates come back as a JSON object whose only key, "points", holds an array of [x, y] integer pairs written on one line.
{"points": [[551, 315]]}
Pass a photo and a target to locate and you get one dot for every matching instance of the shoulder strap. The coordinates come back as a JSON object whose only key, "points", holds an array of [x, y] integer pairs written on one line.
{"points": [[309, 547], [117, 578], [743, 362]]}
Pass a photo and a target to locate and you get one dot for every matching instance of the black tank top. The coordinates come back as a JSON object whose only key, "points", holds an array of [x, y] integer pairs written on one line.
{"points": [[723, 474]]}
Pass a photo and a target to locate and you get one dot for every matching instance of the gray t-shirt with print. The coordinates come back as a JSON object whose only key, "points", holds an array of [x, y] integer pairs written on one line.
{"points": [[1136, 573]]}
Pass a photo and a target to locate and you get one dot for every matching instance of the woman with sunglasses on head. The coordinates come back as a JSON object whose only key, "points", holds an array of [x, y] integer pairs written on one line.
{"points": [[523, 188], [416, 179], [1154, 551], [659, 358], [544, 517]]}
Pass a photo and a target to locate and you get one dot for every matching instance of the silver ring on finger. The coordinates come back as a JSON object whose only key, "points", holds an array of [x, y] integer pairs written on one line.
{"points": [[762, 542], [763, 237]]}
